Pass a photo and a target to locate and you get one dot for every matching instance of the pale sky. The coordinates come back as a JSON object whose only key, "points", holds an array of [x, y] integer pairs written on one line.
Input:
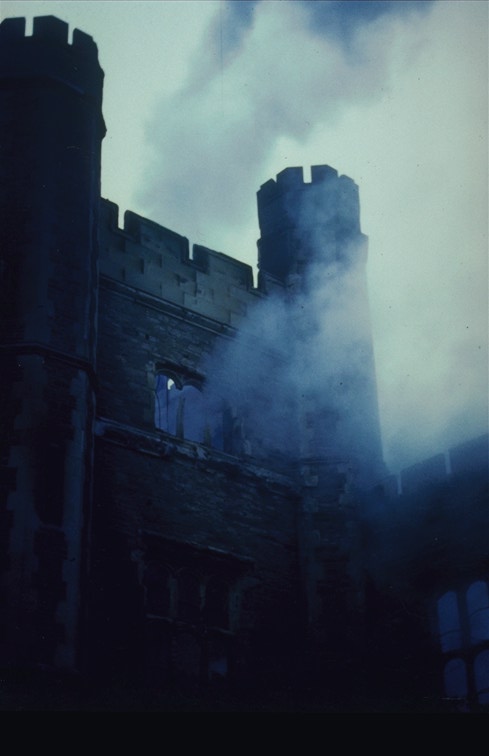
{"points": [[205, 101]]}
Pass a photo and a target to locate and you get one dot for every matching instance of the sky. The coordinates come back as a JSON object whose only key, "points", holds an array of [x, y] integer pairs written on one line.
{"points": [[204, 101]]}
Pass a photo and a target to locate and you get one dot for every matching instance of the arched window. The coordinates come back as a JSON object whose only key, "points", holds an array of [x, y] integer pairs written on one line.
{"points": [[167, 401], [455, 675], [218, 664], [481, 674], [478, 611], [193, 414], [463, 627], [449, 622], [181, 409]]}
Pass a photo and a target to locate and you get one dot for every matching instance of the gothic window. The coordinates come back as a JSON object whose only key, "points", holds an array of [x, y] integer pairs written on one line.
{"points": [[184, 410], [478, 611], [179, 408], [463, 631], [187, 654], [455, 675], [193, 414], [449, 622], [167, 400], [481, 673], [218, 665]]}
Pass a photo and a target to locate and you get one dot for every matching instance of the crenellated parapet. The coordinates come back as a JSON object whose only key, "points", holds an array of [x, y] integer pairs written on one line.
{"points": [[429, 525], [302, 220], [155, 260], [338, 196], [49, 53], [463, 459], [51, 103]]}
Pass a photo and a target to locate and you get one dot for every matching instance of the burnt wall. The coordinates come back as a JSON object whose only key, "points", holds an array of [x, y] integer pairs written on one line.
{"points": [[163, 504], [420, 544], [157, 261], [195, 511]]}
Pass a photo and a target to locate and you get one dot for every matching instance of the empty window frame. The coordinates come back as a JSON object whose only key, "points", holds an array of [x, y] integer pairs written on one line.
{"points": [[182, 409], [463, 628], [449, 622], [478, 611], [455, 679]]}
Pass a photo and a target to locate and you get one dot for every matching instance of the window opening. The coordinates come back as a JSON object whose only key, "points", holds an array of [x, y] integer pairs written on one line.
{"points": [[218, 665], [449, 622], [166, 404], [455, 674], [193, 414], [463, 624], [186, 658], [481, 673], [478, 610], [183, 410]]}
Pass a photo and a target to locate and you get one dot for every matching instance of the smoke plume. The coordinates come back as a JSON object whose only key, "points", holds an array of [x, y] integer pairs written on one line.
{"points": [[395, 93]]}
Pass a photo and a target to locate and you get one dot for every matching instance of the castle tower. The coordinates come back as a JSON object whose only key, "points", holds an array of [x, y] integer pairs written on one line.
{"points": [[313, 253], [51, 134], [312, 246]]}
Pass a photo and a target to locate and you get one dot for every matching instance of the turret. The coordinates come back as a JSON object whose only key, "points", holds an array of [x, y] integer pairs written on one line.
{"points": [[51, 134], [312, 248], [303, 222]]}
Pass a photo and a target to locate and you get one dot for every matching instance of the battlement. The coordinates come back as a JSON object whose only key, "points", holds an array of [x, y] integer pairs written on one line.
{"points": [[156, 260], [47, 53], [333, 199], [291, 211], [47, 29], [469, 457], [292, 179]]}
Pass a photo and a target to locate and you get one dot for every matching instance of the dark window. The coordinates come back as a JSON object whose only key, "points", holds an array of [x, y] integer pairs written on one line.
{"points": [[481, 672], [463, 627], [449, 622], [186, 658], [183, 410], [218, 664], [478, 611], [455, 675], [167, 405], [193, 414]]}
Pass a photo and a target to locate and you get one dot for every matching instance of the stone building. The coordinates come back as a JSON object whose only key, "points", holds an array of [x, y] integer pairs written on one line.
{"points": [[194, 510]]}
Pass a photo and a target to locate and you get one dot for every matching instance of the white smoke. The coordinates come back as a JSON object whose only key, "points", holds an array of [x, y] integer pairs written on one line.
{"points": [[300, 373], [403, 110]]}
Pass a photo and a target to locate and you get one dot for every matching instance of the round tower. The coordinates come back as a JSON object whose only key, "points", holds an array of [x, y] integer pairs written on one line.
{"points": [[51, 134], [313, 253], [312, 249]]}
